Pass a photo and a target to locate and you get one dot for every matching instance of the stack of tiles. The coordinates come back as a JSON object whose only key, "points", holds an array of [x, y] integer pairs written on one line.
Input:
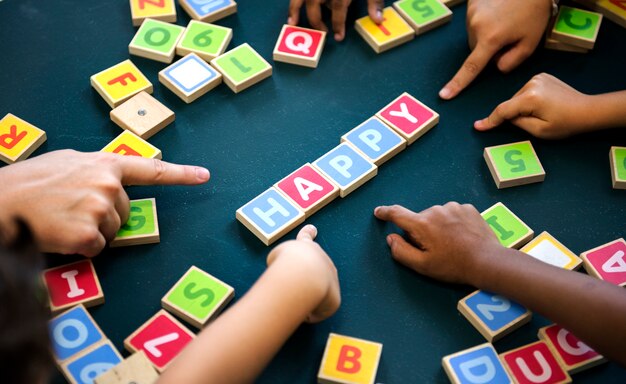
{"points": [[339, 172], [80, 348], [574, 30]]}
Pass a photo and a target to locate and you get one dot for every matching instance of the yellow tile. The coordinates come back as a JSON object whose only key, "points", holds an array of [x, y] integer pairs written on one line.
{"points": [[129, 144], [120, 82], [18, 139], [391, 28], [152, 8], [549, 250], [350, 360]]}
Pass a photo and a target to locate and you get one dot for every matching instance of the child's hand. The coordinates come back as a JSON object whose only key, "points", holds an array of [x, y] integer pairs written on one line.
{"points": [[339, 9], [546, 107], [451, 243], [507, 30], [321, 266]]}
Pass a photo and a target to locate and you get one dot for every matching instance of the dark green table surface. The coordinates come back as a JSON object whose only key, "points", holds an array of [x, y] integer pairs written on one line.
{"points": [[49, 49]]}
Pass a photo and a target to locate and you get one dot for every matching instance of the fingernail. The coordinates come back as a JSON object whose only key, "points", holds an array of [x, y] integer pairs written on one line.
{"points": [[202, 174], [289, 21], [379, 14], [389, 241], [338, 36], [445, 93], [376, 210]]}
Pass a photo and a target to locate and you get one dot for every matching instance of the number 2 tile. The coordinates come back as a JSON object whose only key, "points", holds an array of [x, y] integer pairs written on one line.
{"points": [[493, 315]]}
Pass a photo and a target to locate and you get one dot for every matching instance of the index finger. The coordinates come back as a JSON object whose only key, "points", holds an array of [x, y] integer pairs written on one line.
{"points": [[308, 233], [294, 11], [141, 171], [339, 14], [397, 214], [507, 110], [473, 65]]}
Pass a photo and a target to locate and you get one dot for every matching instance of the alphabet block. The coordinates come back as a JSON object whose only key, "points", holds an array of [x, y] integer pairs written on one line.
{"points": [[142, 226], [345, 167], [197, 297], [73, 331], [607, 262], [549, 250], [161, 338], [494, 316], [617, 158], [91, 363], [308, 189], [242, 67], [514, 164], [376, 140], [205, 40], [348, 360], [18, 139], [156, 40], [475, 365], [129, 144], [534, 364], [120, 82], [423, 15], [143, 115], [300, 46], [208, 10], [409, 117], [614, 10], [392, 32], [512, 232], [73, 284], [577, 27], [135, 369], [572, 354], [164, 10], [190, 77], [552, 43], [270, 216]]}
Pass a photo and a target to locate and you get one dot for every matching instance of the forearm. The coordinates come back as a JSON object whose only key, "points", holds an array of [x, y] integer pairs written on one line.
{"points": [[608, 110], [594, 310], [242, 341]]}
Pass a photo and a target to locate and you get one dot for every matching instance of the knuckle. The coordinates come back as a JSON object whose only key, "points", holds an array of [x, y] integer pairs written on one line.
{"points": [[98, 205], [471, 67], [160, 169]]}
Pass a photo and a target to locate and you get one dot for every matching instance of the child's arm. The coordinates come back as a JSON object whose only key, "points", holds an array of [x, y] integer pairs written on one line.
{"points": [[548, 108], [299, 285], [453, 243]]}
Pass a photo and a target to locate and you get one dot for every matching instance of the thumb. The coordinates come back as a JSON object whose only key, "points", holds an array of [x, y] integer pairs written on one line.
{"points": [[404, 253]]}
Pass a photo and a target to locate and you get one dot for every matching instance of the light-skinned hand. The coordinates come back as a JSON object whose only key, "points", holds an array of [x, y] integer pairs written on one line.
{"points": [[308, 251], [75, 202]]}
